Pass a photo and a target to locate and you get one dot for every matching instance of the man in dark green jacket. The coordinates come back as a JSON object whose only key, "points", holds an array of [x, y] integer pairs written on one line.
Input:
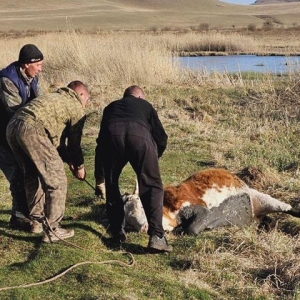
{"points": [[34, 133]]}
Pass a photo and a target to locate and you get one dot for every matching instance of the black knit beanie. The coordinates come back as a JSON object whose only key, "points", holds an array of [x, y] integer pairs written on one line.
{"points": [[30, 54]]}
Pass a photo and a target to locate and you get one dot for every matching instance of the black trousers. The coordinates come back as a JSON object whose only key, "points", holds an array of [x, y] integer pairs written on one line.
{"points": [[131, 142], [12, 171]]}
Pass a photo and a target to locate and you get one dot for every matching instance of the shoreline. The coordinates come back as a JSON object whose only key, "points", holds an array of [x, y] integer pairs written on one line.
{"points": [[213, 53]]}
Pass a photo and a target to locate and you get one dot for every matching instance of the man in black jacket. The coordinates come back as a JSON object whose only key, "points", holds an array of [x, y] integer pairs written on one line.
{"points": [[132, 132]]}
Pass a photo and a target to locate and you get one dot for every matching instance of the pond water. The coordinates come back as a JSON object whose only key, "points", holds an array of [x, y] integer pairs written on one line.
{"points": [[242, 63]]}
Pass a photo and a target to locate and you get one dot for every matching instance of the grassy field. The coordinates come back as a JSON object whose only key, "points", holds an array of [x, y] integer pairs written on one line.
{"points": [[140, 15], [224, 120]]}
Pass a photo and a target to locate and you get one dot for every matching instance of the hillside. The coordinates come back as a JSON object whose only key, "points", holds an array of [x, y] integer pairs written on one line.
{"points": [[135, 14], [273, 1]]}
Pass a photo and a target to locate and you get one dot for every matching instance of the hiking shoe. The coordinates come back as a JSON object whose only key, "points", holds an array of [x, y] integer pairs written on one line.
{"points": [[36, 227], [157, 244], [21, 222], [58, 233]]}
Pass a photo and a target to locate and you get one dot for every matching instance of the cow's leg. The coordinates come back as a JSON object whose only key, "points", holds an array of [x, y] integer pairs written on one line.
{"points": [[264, 204], [295, 211], [191, 220], [233, 211]]}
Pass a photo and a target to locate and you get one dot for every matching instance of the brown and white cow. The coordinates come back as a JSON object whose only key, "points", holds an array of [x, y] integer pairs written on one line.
{"points": [[207, 199]]}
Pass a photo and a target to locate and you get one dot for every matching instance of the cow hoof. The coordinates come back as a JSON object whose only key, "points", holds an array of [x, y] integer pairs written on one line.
{"points": [[295, 211]]}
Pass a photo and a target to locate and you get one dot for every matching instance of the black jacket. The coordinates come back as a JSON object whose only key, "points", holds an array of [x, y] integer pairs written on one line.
{"points": [[127, 110], [134, 109]]}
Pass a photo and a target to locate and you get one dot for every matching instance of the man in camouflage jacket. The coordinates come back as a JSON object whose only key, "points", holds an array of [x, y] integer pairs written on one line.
{"points": [[18, 85], [34, 133]]}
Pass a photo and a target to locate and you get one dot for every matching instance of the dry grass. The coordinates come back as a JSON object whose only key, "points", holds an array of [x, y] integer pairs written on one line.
{"points": [[276, 40], [101, 60], [243, 262], [201, 42]]}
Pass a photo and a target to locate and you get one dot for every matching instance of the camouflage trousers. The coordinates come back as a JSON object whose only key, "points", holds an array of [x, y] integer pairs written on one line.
{"points": [[44, 173], [14, 175]]}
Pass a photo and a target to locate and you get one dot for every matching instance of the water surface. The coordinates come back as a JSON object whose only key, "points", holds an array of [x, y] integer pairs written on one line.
{"points": [[242, 63]]}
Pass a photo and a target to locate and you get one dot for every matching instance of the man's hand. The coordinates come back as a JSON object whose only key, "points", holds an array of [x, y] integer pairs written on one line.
{"points": [[78, 172], [100, 190]]}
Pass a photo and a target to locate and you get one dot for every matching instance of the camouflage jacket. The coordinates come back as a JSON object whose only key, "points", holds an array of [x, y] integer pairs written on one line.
{"points": [[55, 115]]}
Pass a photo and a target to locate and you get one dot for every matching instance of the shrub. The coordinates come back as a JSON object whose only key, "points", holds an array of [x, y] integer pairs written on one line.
{"points": [[251, 27], [203, 27], [268, 25]]}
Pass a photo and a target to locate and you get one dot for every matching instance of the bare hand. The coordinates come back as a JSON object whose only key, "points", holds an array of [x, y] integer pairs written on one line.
{"points": [[100, 190], [80, 174]]}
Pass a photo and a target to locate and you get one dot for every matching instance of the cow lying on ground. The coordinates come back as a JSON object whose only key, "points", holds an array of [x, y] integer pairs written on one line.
{"points": [[207, 199]]}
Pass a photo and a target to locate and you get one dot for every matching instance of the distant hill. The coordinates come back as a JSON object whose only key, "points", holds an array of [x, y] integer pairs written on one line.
{"points": [[142, 14], [274, 1]]}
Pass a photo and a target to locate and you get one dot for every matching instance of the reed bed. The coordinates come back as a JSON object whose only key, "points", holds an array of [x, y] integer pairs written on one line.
{"points": [[210, 41], [101, 60]]}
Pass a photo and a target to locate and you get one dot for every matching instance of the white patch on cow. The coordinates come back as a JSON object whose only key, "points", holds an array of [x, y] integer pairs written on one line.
{"points": [[214, 196], [184, 204], [166, 224]]}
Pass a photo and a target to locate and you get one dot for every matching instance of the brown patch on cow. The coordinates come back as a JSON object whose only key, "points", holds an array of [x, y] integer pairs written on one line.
{"points": [[175, 196], [210, 178], [193, 188]]}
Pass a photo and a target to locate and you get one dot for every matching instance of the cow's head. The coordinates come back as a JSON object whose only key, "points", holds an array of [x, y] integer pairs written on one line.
{"points": [[135, 218]]}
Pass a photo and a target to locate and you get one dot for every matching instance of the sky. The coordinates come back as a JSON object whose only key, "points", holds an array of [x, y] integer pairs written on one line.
{"points": [[239, 1]]}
